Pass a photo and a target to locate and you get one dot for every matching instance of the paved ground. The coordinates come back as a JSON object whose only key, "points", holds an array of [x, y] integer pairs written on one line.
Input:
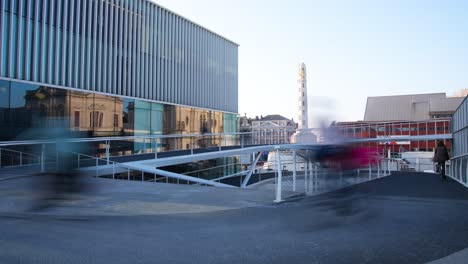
{"points": [[404, 218]]}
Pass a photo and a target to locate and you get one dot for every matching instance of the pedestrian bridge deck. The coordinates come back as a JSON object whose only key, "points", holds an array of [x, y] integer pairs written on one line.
{"points": [[403, 218]]}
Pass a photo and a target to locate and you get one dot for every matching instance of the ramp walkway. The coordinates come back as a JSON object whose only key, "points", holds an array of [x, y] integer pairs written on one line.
{"points": [[402, 218]]}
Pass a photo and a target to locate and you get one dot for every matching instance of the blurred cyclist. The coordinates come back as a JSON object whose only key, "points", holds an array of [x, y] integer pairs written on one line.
{"points": [[441, 155]]}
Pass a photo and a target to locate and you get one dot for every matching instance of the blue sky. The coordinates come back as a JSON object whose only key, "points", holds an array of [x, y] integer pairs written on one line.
{"points": [[352, 48]]}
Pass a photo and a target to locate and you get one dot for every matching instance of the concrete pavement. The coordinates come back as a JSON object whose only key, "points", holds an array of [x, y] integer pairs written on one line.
{"points": [[404, 218]]}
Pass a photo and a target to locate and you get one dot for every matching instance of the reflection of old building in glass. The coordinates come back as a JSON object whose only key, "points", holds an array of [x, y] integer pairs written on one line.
{"points": [[114, 68], [271, 129]]}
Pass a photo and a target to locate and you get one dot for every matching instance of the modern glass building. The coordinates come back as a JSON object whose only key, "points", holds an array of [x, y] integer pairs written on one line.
{"points": [[113, 67], [459, 159]]}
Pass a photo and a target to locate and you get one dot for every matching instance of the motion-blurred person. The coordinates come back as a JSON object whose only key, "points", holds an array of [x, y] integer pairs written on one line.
{"points": [[440, 156], [61, 179]]}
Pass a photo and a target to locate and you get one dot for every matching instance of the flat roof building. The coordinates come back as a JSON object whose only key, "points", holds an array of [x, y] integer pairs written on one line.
{"points": [[113, 67], [413, 107]]}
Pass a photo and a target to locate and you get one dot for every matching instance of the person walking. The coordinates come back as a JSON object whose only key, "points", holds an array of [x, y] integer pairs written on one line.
{"points": [[441, 155]]}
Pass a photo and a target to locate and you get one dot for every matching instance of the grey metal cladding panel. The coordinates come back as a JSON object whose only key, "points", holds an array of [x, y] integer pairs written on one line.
{"points": [[11, 50], [165, 53], [19, 43], [27, 59], [168, 57], [137, 81], [147, 51], [190, 89], [77, 49], [158, 72], [89, 30], [139, 52], [83, 51], [235, 108], [404, 107], [35, 41], [131, 52], [140, 70], [58, 44], [445, 104], [157, 55], [125, 53], [94, 48], [110, 69], [119, 33], [174, 60], [43, 46], [71, 45], [64, 67], [106, 49], [151, 26]]}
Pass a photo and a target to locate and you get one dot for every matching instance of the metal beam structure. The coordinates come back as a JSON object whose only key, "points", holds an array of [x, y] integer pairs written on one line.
{"points": [[251, 169]]}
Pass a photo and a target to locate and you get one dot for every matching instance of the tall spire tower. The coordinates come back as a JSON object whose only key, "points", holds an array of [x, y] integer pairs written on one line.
{"points": [[303, 134], [302, 92]]}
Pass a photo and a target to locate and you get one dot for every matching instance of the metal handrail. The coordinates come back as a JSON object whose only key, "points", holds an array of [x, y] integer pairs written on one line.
{"points": [[21, 157], [459, 156], [116, 138]]}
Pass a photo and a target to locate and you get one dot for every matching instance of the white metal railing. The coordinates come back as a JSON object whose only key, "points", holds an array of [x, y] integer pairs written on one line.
{"points": [[153, 144], [313, 178], [457, 169], [13, 158]]}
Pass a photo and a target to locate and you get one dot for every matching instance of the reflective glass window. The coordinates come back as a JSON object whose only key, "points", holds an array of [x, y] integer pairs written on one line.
{"points": [[142, 117], [4, 107], [128, 116], [4, 94], [156, 118]]}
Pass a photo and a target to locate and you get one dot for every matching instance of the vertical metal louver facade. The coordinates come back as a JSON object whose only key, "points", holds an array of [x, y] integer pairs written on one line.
{"points": [[459, 161], [131, 48]]}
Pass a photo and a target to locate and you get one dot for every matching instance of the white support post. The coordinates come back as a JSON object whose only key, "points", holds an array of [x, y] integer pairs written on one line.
{"points": [[388, 162], [460, 175], [155, 148], [21, 159], [466, 169], [378, 169], [306, 164], [370, 171], [128, 174], [294, 171], [191, 145], [42, 158], [113, 170], [316, 175], [280, 178], [78, 161], [142, 176], [108, 152]]}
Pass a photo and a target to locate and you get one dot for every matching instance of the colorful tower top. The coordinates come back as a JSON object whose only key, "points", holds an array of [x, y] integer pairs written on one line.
{"points": [[302, 92]]}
